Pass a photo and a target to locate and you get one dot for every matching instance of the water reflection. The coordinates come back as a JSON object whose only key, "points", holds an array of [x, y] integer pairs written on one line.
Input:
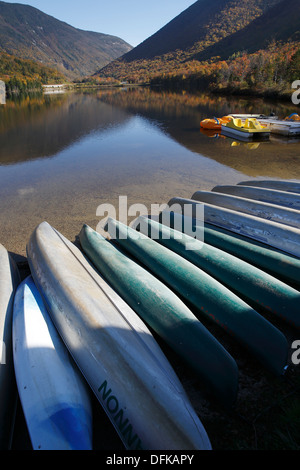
{"points": [[62, 156], [43, 126], [179, 115]]}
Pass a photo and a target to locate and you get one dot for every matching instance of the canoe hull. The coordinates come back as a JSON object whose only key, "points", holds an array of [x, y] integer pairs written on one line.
{"points": [[52, 391], [113, 348], [9, 280], [166, 314], [262, 210], [250, 283], [270, 196], [281, 185], [212, 300], [275, 262], [271, 233]]}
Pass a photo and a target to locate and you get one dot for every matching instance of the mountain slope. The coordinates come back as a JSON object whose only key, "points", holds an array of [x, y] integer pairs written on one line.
{"points": [[187, 51], [279, 23], [28, 33], [11, 65], [199, 26]]}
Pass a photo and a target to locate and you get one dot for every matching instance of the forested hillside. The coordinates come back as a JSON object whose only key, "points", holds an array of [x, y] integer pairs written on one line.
{"points": [[199, 26], [26, 75], [242, 45], [28, 33]]}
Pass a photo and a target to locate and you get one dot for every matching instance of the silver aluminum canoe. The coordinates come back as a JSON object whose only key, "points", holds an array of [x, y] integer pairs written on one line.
{"points": [[281, 185], [282, 215], [113, 348], [271, 233], [9, 280], [270, 196]]}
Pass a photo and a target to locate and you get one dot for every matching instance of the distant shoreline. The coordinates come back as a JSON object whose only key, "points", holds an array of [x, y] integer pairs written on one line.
{"points": [[179, 86]]}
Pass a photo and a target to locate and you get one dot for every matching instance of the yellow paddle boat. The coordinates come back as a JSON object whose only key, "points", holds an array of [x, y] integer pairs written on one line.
{"points": [[245, 129]]}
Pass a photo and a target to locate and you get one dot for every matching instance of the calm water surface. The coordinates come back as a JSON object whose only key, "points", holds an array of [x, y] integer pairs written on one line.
{"points": [[62, 156]]}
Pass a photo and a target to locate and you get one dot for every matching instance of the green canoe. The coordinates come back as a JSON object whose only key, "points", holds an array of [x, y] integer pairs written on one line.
{"points": [[166, 314], [212, 300], [251, 283], [276, 262]]}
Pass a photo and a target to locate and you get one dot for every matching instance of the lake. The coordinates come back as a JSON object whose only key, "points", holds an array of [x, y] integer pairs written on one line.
{"points": [[61, 156]]}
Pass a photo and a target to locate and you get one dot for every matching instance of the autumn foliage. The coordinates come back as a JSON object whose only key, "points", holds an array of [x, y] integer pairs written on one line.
{"points": [[272, 69], [25, 75]]}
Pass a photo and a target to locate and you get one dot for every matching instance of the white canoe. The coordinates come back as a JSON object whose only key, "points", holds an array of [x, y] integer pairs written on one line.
{"points": [[281, 185], [282, 215], [9, 280], [270, 196], [53, 393], [115, 351], [271, 233]]}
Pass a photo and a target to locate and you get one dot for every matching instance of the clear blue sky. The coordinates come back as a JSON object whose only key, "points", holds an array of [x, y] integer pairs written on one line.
{"points": [[132, 20]]}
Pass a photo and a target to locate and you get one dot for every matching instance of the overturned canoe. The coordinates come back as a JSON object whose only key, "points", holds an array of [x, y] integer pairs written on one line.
{"points": [[9, 280], [252, 284], [166, 314], [53, 393], [275, 262], [271, 233], [113, 348], [212, 300], [278, 197], [282, 215], [281, 185]]}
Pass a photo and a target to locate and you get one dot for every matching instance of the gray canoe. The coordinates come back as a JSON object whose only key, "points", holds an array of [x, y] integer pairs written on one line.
{"points": [[9, 280], [282, 185], [271, 196], [271, 233], [113, 348], [282, 215]]}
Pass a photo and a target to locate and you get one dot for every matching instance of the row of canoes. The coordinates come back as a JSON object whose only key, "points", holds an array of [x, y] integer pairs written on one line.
{"points": [[248, 126], [70, 330], [86, 320]]}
